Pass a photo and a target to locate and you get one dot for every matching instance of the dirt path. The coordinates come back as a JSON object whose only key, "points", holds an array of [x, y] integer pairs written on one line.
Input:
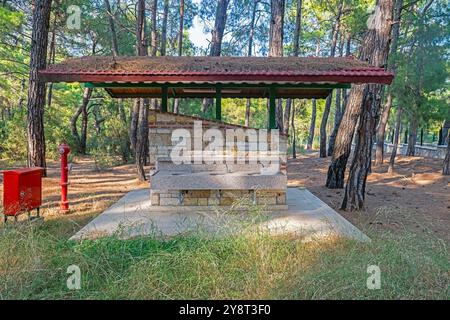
{"points": [[91, 190], [417, 196]]}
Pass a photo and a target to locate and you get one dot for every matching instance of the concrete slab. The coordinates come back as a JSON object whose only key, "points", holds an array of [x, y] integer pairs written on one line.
{"points": [[307, 216], [217, 180]]}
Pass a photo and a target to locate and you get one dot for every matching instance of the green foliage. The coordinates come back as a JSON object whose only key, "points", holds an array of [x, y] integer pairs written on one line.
{"points": [[422, 92]]}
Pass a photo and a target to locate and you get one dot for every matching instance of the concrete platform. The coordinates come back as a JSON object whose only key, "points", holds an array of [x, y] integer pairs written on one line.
{"points": [[307, 216]]}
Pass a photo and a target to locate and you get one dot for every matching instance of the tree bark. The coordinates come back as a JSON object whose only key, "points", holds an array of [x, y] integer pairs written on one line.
{"points": [[51, 59], [249, 53], [276, 28], [216, 40], [164, 28], [295, 53], [294, 140], [219, 28], [112, 29], [141, 42], [412, 138], [276, 46], [247, 112], [154, 35], [181, 30], [141, 143], [380, 25], [176, 102], [134, 124], [398, 120], [344, 137], [326, 112], [379, 153], [323, 127], [374, 50], [446, 166], [337, 122], [356, 184], [142, 139], [36, 88], [338, 108], [312, 126], [298, 28], [445, 131]]}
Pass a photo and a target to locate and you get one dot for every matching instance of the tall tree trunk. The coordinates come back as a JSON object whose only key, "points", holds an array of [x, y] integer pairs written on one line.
{"points": [[344, 137], [380, 26], [326, 112], [312, 126], [141, 143], [298, 29], [276, 28], [294, 140], [141, 42], [181, 30], [134, 124], [219, 28], [445, 130], [412, 138], [51, 59], [154, 35], [374, 50], [142, 139], [323, 127], [112, 29], [379, 153], [337, 122], [249, 53], [164, 28], [141, 50], [176, 102], [446, 166], [21, 94], [216, 40], [276, 45], [356, 184], [81, 111], [247, 112], [338, 109], [296, 51], [398, 120], [36, 88]]}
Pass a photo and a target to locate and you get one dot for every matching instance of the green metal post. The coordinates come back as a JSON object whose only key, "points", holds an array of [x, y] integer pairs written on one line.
{"points": [[219, 103], [272, 112], [164, 99]]}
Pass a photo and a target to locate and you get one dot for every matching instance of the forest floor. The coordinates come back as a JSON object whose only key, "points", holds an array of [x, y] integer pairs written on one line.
{"points": [[417, 196]]}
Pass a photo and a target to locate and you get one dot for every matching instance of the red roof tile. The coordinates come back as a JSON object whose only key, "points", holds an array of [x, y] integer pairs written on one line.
{"points": [[216, 70]]}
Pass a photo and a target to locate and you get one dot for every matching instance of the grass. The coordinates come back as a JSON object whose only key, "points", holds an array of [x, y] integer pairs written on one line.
{"points": [[248, 265]]}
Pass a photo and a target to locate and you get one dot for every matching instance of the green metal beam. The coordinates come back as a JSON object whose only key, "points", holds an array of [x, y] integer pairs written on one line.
{"points": [[219, 102], [272, 113], [164, 99]]}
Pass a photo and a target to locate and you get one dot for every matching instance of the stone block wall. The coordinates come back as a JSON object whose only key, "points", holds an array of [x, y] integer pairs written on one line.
{"points": [[437, 152], [161, 126], [217, 197]]}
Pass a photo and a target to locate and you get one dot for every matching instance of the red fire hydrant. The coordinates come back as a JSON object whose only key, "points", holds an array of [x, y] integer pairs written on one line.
{"points": [[64, 151]]}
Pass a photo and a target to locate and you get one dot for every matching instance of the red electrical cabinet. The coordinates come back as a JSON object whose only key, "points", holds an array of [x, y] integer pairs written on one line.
{"points": [[22, 191]]}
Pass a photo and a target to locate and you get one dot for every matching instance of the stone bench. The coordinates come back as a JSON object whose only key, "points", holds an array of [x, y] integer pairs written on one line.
{"points": [[215, 184]]}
